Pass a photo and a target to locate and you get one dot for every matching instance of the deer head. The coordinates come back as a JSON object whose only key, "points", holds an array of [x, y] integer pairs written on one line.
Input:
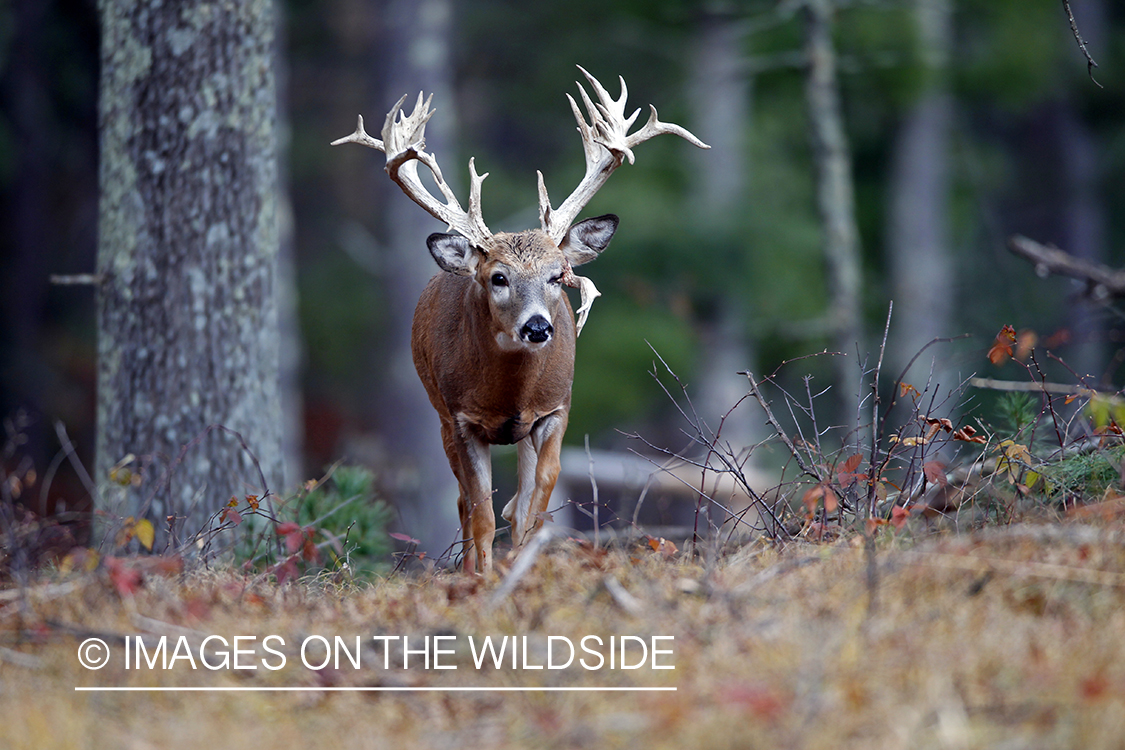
{"points": [[493, 336]]}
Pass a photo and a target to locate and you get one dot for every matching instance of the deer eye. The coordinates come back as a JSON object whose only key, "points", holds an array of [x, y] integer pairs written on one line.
{"points": [[556, 279], [499, 279]]}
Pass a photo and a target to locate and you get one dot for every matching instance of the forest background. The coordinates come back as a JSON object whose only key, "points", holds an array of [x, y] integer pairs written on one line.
{"points": [[965, 124]]}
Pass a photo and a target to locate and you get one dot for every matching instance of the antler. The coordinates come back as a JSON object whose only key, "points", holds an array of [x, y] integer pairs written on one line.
{"points": [[404, 143], [606, 142]]}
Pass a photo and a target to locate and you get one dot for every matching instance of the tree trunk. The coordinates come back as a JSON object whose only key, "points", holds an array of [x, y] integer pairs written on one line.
{"points": [[719, 91], [187, 253], [835, 202], [416, 59], [921, 259]]}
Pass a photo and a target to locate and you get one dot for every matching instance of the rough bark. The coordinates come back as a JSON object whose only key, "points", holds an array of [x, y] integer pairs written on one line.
{"points": [[187, 253]]}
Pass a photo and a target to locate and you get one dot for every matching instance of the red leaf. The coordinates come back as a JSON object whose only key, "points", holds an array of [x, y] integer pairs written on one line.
{"points": [[124, 578], [232, 515], [899, 517], [309, 550], [287, 528], [404, 538], [294, 540], [287, 571]]}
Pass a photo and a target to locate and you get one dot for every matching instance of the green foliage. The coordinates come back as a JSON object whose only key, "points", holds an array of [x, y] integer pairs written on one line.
{"points": [[612, 380], [346, 508], [1017, 410], [1084, 476], [326, 525]]}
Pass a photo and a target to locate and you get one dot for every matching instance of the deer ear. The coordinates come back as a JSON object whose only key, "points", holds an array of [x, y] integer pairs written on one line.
{"points": [[586, 239], [453, 253]]}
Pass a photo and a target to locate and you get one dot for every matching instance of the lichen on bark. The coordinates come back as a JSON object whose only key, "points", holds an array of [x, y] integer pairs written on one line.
{"points": [[187, 254]]}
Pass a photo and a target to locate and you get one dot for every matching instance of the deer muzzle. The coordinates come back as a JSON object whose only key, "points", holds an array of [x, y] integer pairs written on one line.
{"points": [[537, 330]]}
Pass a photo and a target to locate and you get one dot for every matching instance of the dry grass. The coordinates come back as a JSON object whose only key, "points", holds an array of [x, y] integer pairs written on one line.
{"points": [[1007, 638]]}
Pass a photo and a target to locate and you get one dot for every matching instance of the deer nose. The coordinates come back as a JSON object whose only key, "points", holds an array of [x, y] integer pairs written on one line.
{"points": [[536, 330]]}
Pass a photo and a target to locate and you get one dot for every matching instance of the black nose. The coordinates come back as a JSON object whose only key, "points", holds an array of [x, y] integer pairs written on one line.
{"points": [[536, 330]]}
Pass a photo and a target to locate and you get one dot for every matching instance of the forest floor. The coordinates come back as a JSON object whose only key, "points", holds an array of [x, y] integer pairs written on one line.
{"points": [[1009, 637]]}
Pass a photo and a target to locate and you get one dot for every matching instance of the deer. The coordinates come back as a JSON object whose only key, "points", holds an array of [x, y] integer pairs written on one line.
{"points": [[493, 335]]}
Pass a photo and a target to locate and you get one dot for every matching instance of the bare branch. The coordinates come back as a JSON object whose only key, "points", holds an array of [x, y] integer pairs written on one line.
{"points": [[1090, 64], [1048, 259]]}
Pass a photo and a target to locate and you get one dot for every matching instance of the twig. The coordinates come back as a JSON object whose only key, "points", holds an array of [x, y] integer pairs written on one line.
{"points": [[772, 420], [20, 659], [1048, 259], [523, 564], [1032, 386], [1090, 64], [594, 490], [622, 597]]}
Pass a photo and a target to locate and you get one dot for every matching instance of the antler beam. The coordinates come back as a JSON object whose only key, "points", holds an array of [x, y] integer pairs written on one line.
{"points": [[607, 143], [404, 143]]}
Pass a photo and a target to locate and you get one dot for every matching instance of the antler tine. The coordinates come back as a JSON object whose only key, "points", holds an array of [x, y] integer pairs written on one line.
{"points": [[606, 143], [404, 143]]}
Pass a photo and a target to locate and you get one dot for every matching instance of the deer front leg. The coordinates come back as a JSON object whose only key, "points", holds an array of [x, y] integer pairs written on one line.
{"points": [[539, 465], [471, 463]]}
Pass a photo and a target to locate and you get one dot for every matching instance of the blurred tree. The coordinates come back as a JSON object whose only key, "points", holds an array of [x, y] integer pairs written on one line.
{"points": [[920, 260], [415, 57], [719, 93], [187, 255], [832, 161]]}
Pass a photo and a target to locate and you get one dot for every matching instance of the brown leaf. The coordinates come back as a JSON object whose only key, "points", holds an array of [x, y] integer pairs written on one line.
{"points": [[935, 472], [846, 474], [969, 435], [831, 501], [1025, 342], [812, 498], [1001, 350]]}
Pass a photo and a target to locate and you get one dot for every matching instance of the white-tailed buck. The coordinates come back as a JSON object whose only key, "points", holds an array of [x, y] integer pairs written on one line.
{"points": [[493, 336]]}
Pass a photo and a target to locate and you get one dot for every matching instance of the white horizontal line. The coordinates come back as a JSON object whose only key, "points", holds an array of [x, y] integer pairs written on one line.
{"points": [[369, 689]]}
